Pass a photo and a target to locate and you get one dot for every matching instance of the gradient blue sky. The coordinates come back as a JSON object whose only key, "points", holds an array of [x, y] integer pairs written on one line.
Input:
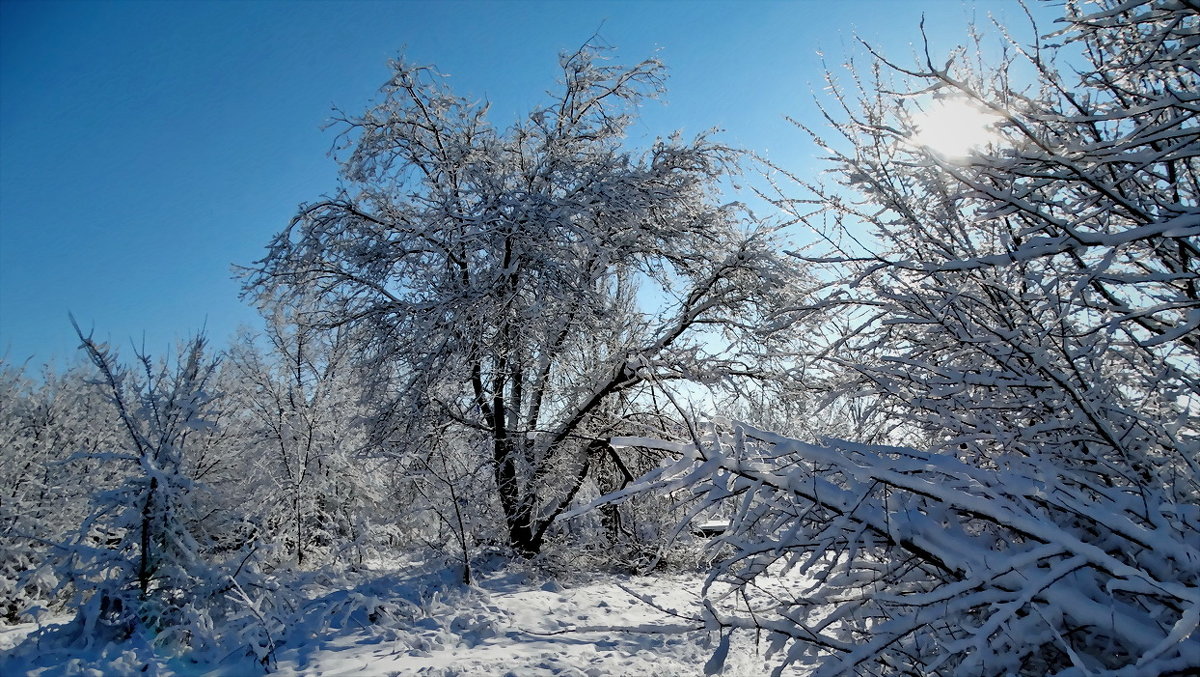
{"points": [[147, 146]]}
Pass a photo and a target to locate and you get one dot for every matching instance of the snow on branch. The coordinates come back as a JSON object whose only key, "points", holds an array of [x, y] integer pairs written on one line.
{"points": [[917, 558]]}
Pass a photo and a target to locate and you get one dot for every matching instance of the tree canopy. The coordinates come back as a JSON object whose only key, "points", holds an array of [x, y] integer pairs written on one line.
{"points": [[528, 285]]}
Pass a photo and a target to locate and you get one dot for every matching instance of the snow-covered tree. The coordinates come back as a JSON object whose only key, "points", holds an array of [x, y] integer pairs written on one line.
{"points": [[49, 424], [160, 549], [527, 287], [301, 438], [1021, 321]]}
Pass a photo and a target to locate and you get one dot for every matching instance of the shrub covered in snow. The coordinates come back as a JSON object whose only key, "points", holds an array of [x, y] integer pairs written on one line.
{"points": [[160, 554]]}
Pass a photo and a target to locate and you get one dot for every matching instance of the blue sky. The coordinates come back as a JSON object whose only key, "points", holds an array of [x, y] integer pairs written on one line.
{"points": [[145, 147]]}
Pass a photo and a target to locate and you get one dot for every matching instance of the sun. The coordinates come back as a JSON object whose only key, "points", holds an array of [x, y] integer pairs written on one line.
{"points": [[955, 128]]}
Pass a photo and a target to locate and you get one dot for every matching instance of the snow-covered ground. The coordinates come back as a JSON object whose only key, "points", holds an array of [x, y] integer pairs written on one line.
{"points": [[424, 623], [505, 627]]}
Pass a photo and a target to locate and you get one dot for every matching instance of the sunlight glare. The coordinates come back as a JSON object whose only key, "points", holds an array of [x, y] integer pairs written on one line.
{"points": [[955, 128]]}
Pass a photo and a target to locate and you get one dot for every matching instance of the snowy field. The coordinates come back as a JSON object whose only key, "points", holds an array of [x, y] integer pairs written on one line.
{"points": [[425, 623]]}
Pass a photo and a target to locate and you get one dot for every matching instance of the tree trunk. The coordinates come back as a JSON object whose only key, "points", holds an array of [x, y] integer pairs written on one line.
{"points": [[518, 509], [144, 568]]}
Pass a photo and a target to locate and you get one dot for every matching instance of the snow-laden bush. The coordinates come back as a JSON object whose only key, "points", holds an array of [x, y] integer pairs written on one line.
{"points": [[301, 443], [162, 555], [43, 422], [1017, 322]]}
